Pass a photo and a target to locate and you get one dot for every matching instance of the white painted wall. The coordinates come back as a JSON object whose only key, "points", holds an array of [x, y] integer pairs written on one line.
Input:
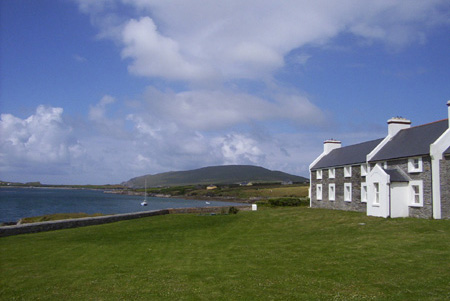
{"points": [[399, 200], [377, 175]]}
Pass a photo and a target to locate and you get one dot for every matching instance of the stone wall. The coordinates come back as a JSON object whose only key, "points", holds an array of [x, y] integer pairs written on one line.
{"points": [[339, 180], [426, 211], [445, 187], [98, 220]]}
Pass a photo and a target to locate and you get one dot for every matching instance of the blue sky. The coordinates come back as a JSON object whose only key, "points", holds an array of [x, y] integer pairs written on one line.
{"points": [[102, 91]]}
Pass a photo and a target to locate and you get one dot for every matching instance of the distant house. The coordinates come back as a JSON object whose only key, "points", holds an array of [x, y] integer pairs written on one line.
{"points": [[246, 184], [211, 187], [407, 173]]}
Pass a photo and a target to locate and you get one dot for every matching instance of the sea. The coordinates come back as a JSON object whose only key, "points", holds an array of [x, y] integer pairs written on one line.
{"points": [[17, 203]]}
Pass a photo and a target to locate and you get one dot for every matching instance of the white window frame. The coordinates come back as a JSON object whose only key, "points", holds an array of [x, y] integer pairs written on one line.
{"points": [[364, 192], [382, 164], [413, 194], [319, 174], [348, 192], [364, 169], [331, 173], [319, 192], [415, 165], [376, 194], [347, 171], [331, 192]]}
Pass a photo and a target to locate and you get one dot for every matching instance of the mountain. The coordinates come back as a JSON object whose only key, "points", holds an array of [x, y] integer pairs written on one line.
{"points": [[226, 174]]}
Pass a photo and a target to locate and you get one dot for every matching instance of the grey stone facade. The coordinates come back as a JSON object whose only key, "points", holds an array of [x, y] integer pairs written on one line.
{"points": [[427, 210], [445, 187], [339, 180]]}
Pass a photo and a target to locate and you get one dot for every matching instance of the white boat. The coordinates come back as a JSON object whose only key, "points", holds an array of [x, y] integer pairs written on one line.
{"points": [[144, 202]]}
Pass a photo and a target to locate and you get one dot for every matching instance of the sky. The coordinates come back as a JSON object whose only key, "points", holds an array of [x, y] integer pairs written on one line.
{"points": [[98, 92]]}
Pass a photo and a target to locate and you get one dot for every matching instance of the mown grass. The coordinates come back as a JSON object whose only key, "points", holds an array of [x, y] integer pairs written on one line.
{"points": [[294, 253]]}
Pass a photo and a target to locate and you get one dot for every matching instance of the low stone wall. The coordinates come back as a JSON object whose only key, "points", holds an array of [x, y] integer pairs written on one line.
{"points": [[98, 220]]}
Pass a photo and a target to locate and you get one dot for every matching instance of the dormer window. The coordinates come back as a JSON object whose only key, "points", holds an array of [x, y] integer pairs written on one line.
{"points": [[347, 171], [364, 169], [319, 174], [415, 165], [331, 173]]}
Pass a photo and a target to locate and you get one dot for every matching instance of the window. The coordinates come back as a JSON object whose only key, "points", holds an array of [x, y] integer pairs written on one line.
{"points": [[348, 192], [319, 191], [415, 164], [364, 169], [331, 192], [363, 192], [382, 164], [376, 193], [347, 171], [416, 193], [331, 173], [319, 174]]}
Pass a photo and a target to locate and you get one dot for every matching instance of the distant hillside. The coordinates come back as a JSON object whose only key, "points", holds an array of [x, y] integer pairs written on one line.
{"points": [[227, 174]]}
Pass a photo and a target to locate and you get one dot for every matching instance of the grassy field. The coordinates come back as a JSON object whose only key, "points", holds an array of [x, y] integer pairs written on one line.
{"points": [[242, 192], [272, 254]]}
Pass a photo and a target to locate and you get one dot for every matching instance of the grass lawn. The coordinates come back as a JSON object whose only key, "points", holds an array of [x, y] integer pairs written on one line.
{"points": [[282, 253]]}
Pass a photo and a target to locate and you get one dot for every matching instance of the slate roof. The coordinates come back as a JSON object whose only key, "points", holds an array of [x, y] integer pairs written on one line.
{"points": [[397, 176], [414, 141], [348, 155], [447, 152]]}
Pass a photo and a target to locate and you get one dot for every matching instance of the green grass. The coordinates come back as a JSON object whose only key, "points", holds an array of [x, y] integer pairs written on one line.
{"points": [[291, 253], [263, 191]]}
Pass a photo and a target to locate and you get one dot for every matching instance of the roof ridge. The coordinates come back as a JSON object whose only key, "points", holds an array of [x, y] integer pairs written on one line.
{"points": [[425, 124], [373, 140]]}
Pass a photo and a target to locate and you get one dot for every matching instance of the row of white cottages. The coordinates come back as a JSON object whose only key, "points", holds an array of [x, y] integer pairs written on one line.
{"points": [[407, 173]]}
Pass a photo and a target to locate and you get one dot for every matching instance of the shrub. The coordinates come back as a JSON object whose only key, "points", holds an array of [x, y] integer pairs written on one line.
{"points": [[283, 202], [233, 210]]}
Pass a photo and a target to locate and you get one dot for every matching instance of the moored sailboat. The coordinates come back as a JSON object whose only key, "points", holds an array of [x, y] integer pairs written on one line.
{"points": [[144, 202]]}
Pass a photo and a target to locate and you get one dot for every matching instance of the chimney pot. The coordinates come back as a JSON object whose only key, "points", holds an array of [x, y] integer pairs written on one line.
{"points": [[448, 106], [330, 144], [396, 124]]}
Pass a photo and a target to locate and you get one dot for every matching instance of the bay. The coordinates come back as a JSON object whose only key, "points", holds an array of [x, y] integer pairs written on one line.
{"points": [[16, 203]]}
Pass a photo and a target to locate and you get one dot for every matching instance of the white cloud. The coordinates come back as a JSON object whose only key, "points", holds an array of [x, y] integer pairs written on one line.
{"points": [[198, 39], [42, 141], [239, 149], [219, 109], [97, 112], [155, 55]]}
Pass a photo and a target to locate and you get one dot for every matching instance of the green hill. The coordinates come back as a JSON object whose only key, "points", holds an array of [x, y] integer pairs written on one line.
{"points": [[226, 174]]}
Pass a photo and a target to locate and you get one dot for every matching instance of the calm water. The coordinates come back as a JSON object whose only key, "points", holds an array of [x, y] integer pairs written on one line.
{"points": [[16, 203]]}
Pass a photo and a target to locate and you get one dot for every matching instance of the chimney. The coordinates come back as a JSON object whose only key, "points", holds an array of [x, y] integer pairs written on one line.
{"points": [[448, 106], [397, 124], [330, 144]]}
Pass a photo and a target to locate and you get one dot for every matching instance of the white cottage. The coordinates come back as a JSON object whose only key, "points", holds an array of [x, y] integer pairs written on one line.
{"points": [[407, 173]]}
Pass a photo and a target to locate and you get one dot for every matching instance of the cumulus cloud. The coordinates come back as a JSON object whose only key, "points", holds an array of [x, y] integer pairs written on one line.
{"points": [[155, 55], [43, 139], [192, 40]]}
